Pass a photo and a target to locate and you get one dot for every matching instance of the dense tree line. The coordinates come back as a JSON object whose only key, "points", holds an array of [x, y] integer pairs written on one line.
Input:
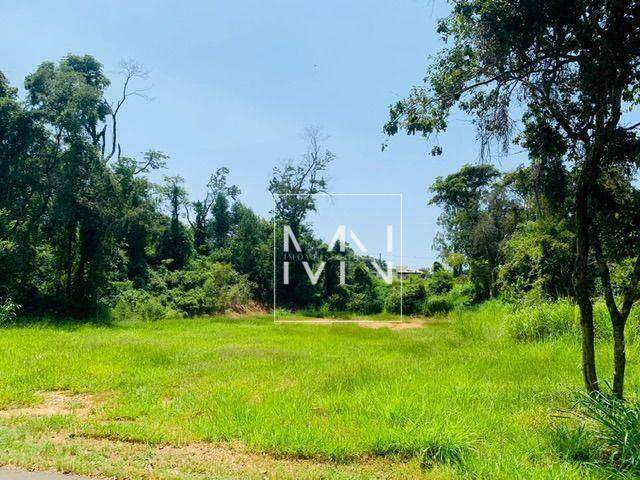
{"points": [[508, 231], [80, 220], [83, 230]]}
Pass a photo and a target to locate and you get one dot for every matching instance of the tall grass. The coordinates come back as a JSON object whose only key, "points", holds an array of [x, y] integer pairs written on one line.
{"points": [[456, 397], [541, 321], [546, 320], [608, 433]]}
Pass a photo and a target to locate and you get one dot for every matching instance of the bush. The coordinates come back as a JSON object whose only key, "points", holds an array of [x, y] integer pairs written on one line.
{"points": [[615, 426], [532, 321], [8, 312], [204, 287], [152, 310], [337, 301], [541, 321], [142, 305], [365, 303], [439, 282], [413, 295], [538, 255], [437, 305]]}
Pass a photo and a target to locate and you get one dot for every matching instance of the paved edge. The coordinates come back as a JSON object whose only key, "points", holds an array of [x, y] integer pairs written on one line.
{"points": [[7, 473]]}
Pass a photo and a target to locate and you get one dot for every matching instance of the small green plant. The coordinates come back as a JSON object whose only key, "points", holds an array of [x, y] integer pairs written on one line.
{"points": [[615, 425], [444, 452], [574, 443], [8, 312]]}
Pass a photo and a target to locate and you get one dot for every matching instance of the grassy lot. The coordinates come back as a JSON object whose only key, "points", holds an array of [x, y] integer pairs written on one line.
{"points": [[244, 398]]}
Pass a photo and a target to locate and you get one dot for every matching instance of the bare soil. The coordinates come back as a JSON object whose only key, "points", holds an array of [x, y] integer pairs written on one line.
{"points": [[412, 323], [57, 402]]}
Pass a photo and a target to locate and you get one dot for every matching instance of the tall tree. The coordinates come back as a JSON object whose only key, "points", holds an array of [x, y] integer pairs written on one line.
{"points": [[295, 184], [294, 187], [78, 209], [566, 67], [136, 208], [216, 202], [175, 244]]}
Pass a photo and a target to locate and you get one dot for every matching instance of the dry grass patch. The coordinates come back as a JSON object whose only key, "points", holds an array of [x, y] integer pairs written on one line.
{"points": [[109, 458], [57, 402]]}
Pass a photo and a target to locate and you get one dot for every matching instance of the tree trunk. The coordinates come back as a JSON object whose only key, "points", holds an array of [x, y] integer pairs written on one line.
{"points": [[588, 345], [582, 290], [618, 319], [619, 357]]}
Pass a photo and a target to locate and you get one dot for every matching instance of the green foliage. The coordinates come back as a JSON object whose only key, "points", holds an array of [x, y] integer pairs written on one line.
{"points": [[536, 320], [295, 184], [574, 443], [251, 250], [615, 427], [142, 305], [411, 297], [175, 243], [508, 63], [538, 255], [203, 287], [457, 263], [435, 305], [439, 282], [8, 312], [481, 275], [542, 321]]}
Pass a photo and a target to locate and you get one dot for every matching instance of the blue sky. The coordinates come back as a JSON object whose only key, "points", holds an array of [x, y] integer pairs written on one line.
{"points": [[235, 83]]}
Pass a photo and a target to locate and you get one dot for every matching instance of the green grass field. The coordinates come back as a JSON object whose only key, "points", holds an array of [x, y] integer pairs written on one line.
{"points": [[241, 397]]}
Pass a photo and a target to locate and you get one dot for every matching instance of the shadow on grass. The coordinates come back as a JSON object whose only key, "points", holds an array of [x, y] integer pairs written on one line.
{"points": [[62, 322]]}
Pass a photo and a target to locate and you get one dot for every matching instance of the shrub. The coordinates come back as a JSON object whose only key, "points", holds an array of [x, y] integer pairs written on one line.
{"points": [[337, 301], [437, 305], [152, 310], [439, 282], [8, 312], [204, 287], [366, 303], [142, 305], [615, 426], [541, 321], [538, 255], [413, 295]]}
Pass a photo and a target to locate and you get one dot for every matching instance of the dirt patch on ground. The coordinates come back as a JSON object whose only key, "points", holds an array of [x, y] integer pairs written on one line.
{"points": [[203, 460], [58, 402], [374, 324], [79, 450]]}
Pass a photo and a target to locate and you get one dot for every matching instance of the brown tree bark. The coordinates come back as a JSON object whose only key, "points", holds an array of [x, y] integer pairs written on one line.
{"points": [[619, 357], [618, 317], [617, 320], [582, 289]]}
